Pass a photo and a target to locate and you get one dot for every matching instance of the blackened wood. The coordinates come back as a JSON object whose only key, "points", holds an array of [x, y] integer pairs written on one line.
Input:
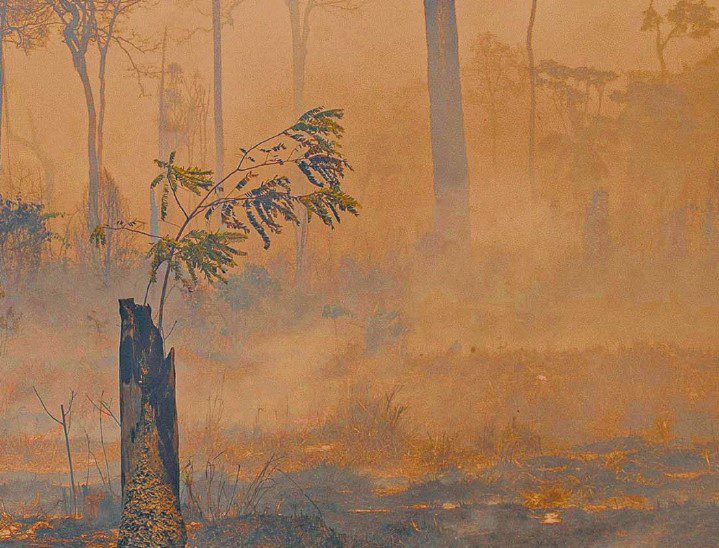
{"points": [[149, 438]]}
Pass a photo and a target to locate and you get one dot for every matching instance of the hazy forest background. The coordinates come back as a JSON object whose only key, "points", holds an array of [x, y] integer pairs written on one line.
{"points": [[581, 308]]}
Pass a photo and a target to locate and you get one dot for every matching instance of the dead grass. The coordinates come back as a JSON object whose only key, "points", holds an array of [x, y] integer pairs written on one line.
{"points": [[551, 496]]}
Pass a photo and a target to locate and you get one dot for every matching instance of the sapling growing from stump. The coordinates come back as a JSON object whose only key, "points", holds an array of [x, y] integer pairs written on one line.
{"points": [[259, 196]]}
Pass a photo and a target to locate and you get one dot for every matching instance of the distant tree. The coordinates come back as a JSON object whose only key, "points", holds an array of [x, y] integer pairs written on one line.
{"points": [[182, 122], [183, 111], [25, 24], [24, 232], [581, 145], [449, 149], [111, 211], [253, 197], [578, 98], [197, 107], [221, 14], [186, 104], [79, 23], [86, 24], [301, 12], [500, 69], [174, 123], [661, 127], [685, 19], [532, 162], [109, 29], [37, 143], [162, 144]]}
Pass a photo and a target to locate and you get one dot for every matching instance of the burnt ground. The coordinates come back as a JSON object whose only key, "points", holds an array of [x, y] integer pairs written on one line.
{"points": [[626, 492]]}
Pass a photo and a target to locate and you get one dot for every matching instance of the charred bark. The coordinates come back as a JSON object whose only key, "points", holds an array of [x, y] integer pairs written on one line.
{"points": [[149, 438]]}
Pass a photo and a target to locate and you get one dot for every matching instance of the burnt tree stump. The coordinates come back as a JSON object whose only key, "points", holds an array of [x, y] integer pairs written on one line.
{"points": [[149, 439]]}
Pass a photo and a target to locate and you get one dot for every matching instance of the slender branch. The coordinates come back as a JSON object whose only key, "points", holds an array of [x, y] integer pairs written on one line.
{"points": [[53, 417], [196, 211], [130, 229], [104, 409], [97, 463], [177, 201], [69, 405], [169, 223]]}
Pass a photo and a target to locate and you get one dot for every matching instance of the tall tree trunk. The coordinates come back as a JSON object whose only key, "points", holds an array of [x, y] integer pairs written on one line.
{"points": [[105, 190], [531, 166], [101, 108], [217, 85], [3, 24], [299, 55], [449, 150], [162, 145], [150, 470], [300, 29], [103, 49], [93, 215]]}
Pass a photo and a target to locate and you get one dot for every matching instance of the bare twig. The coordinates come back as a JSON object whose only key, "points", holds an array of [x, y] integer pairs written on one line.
{"points": [[64, 421]]}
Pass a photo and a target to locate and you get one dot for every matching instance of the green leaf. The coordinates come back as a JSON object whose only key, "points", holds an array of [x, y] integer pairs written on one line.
{"points": [[98, 237]]}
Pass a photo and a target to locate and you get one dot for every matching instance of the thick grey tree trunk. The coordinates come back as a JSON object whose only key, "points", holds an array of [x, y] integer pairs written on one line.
{"points": [[449, 150], [149, 438]]}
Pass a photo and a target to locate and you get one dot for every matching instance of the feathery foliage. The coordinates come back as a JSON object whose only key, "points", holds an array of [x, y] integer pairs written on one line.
{"points": [[261, 195]]}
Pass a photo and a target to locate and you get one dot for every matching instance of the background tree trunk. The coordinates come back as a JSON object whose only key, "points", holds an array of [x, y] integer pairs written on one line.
{"points": [[3, 24], [162, 145], [531, 166], [449, 150], [299, 60], [217, 72], [101, 108], [299, 55], [149, 437], [93, 215], [105, 214]]}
